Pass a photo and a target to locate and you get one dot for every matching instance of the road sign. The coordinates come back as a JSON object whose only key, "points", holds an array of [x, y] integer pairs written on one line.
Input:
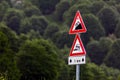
{"points": [[77, 53], [77, 47], [73, 60], [78, 25]]}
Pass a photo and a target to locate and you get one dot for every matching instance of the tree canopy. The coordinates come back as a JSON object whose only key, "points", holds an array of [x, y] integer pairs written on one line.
{"points": [[37, 59], [35, 41]]}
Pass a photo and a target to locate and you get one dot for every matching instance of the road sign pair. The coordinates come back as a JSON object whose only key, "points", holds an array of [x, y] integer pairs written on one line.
{"points": [[76, 28], [77, 52]]}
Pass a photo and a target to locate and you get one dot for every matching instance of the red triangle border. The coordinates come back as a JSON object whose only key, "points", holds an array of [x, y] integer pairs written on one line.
{"points": [[81, 44], [83, 30]]}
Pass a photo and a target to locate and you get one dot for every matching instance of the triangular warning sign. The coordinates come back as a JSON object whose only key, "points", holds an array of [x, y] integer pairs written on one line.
{"points": [[78, 25], [77, 47]]}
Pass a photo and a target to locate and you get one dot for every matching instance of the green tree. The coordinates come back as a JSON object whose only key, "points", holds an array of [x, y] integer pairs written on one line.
{"points": [[12, 37], [69, 15], [3, 76], [51, 30], [8, 1], [97, 50], [117, 1], [37, 23], [93, 50], [118, 77], [13, 19], [91, 71], [17, 4], [62, 39], [109, 18], [111, 73], [87, 74], [105, 45], [118, 7], [32, 10], [117, 30], [22, 38], [110, 2], [72, 2], [3, 42], [37, 59], [7, 63], [97, 6], [3, 8], [25, 25], [94, 28], [46, 6], [60, 9], [112, 59], [65, 73], [33, 35]]}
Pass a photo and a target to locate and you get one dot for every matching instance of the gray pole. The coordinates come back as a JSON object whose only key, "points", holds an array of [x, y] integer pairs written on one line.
{"points": [[77, 72], [78, 69]]}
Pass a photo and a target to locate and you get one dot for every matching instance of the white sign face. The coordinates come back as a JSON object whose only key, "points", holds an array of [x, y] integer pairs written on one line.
{"points": [[77, 25], [77, 47], [77, 60]]}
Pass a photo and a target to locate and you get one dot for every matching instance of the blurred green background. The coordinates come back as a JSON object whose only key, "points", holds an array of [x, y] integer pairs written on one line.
{"points": [[35, 44]]}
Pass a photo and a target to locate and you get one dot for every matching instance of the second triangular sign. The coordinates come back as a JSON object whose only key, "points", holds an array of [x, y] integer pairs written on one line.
{"points": [[77, 47], [78, 25]]}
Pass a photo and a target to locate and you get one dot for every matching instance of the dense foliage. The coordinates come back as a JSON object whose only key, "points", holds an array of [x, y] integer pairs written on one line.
{"points": [[35, 44]]}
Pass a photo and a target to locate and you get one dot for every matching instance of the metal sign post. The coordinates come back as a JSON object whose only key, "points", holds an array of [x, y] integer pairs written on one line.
{"points": [[77, 72]]}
